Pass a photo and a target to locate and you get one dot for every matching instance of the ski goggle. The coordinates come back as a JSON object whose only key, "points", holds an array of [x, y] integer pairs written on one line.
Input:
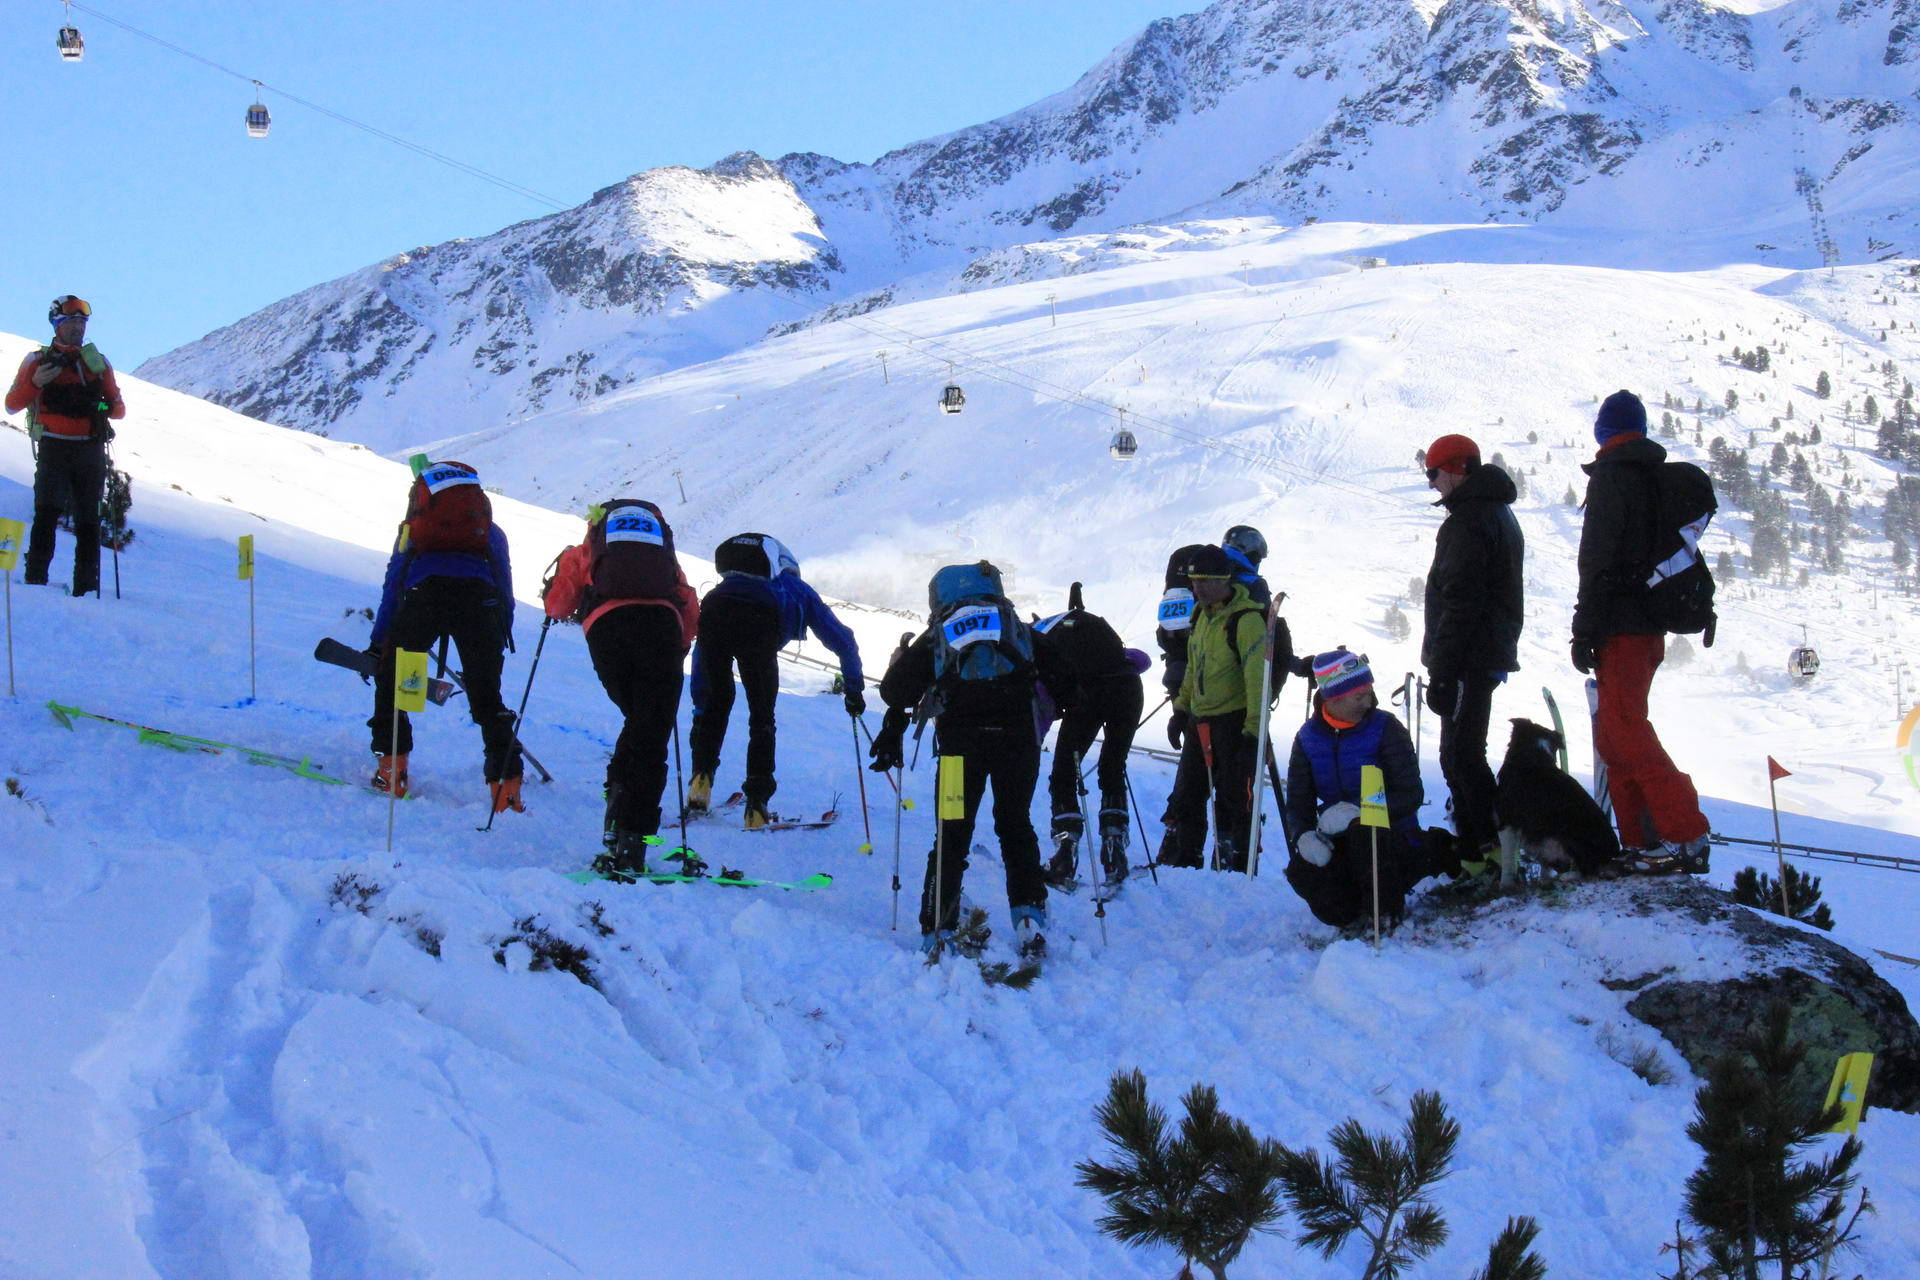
{"points": [[67, 307]]}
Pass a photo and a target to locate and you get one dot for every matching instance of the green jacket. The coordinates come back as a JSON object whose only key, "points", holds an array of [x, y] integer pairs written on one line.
{"points": [[1217, 682]]}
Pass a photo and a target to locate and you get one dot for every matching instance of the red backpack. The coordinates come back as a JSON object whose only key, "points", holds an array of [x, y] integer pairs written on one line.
{"points": [[631, 551], [447, 510]]}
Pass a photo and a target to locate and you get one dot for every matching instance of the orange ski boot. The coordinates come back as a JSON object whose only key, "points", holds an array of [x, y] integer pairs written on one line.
{"points": [[390, 775], [506, 795]]}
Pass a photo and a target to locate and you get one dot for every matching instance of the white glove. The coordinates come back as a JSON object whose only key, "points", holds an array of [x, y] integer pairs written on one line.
{"points": [[1339, 817], [1314, 848], [44, 372]]}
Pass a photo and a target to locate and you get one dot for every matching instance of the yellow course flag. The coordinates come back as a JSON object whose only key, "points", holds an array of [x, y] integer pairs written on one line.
{"points": [[11, 532], [409, 680], [1849, 1089], [953, 788], [1373, 796], [246, 556]]}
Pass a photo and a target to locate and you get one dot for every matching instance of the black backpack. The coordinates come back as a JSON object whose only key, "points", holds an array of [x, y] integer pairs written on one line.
{"points": [[1679, 596], [631, 546]]}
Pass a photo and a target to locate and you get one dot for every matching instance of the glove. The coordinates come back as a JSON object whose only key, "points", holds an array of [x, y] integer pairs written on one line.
{"points": [[45, 371], [886, 751], [1706, 637], [854, 701], [1313, 847], [1338, 818], [1584, 658], [1443, 696], [1176, 729]]}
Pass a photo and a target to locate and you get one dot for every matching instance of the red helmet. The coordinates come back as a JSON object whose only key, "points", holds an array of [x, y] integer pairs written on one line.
{"points": [[1453, 453]]}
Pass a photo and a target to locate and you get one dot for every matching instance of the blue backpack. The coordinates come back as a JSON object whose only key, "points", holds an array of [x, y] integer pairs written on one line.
{"points": [[976, 633]]}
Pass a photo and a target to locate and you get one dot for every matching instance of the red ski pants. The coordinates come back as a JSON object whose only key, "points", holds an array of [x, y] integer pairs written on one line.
{"points": [[1652, 800]]}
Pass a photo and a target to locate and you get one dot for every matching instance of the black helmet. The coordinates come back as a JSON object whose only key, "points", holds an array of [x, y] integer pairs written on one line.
{"points": [[1209, 562], [1246, 539]]}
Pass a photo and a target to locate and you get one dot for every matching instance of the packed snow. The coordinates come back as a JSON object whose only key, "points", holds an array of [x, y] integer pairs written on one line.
{"points": [[258, 1044]]}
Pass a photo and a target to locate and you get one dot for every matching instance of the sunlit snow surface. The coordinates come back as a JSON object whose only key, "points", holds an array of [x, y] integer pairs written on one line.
{"points": [[215, 1072]]}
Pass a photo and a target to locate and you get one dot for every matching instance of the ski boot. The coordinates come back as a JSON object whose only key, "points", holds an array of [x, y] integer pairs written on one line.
{"points": [[1113, 845], [1065, 862], [756, 817], [390, 776], [699, 793], [506, 795], [1694, 855], [1029, 930]]}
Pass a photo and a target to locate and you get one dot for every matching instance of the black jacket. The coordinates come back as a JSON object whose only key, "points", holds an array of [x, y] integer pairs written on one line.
{"points": [[1617, 542], [1173, 644], [1006, 703], [1474, 594]]}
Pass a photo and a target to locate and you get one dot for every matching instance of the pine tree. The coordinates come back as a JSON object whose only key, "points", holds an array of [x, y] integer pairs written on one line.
{"points": [[1753, 1204], [1395, 622], [1571, 498], [1755, 888], [1204, 1192], [1733, 399], [1823, 386]]}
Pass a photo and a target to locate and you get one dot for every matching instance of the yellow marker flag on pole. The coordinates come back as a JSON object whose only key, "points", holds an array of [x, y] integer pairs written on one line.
{"points": [[1373, 796], [953, 788], [1849, 1089], [409, 680], [246, 557], [11, 534]]}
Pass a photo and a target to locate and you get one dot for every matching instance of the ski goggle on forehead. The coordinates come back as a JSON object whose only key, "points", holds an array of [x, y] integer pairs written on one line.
{"points": [[68, 307]]}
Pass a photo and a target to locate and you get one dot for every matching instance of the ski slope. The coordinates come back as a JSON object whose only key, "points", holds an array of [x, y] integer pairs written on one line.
{"points": [[1273, 381], [232, 1070]]}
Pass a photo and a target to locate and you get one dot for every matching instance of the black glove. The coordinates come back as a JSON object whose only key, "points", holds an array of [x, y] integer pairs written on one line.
{"points": [[855, 701], [887, 751], [1584, 658], [1443, 695], [1706, 638], [1176, 728]]}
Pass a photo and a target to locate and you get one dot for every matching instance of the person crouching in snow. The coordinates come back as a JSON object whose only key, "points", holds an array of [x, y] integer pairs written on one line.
{"points": [[1332, 863]]}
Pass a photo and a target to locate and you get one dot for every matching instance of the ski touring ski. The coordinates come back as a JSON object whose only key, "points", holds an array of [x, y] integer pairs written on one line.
{"points": [[1559, 725], [334, 653], [806, 884], [300, 768]]}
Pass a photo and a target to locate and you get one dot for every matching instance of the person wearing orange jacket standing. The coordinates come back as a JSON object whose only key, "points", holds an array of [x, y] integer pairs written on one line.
{"points": [[625, 587], [69, 393]]}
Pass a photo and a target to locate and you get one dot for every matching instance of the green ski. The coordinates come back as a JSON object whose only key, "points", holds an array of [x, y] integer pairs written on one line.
{"points": [[818, 881], [302, 767]]}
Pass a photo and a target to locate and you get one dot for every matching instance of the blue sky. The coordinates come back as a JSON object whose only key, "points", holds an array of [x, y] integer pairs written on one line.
{"points": [[133, 183]]}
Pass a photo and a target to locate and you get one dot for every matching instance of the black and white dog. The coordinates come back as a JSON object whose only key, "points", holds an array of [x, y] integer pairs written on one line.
{"points": [[1546, 812]]}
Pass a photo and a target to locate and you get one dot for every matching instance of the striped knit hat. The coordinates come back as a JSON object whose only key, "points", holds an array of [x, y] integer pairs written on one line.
{"points": [[1340, 672]]}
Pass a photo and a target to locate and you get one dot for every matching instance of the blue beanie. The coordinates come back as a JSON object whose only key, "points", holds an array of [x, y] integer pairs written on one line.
{"points": [[1620, 413]]}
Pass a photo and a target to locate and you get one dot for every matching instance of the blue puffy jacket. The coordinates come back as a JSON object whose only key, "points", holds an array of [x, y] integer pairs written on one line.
{"points": [[406, 570], [1326, 763]]}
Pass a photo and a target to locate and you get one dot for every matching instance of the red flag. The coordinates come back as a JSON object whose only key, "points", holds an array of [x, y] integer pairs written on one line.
{"points": [[1775, 772]]}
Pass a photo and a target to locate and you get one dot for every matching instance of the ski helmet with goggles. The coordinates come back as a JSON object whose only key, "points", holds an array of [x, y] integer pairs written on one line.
{"points": [[1246, 539], [67, 307]]}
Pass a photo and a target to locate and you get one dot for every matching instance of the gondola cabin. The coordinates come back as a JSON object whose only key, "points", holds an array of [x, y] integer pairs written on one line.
{"points": [[72, 47], [952, 400], [1803, 663], [258, 121], [1123, 446]]}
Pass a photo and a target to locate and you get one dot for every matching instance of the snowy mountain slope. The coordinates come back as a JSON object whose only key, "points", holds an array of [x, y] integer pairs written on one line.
{"points": [[1296, 402], [1707, 131], [243, 1063]]}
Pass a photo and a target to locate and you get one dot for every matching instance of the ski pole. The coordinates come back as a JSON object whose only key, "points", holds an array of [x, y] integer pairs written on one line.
{"points": [[1141, 828], [853, 726], [899, 807], [546, 624], [1151, 714], [1254, 803], [679, 789]]}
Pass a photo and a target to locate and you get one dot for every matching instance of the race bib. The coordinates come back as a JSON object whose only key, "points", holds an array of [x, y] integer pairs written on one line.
{"points": [[1176, 609], [438, 478], [971, 624], [634, 526]]}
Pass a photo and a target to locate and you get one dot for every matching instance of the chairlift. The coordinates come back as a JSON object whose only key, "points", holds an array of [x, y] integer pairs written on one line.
{"points": [[258, 120], [952, 400], [72, 47]]}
